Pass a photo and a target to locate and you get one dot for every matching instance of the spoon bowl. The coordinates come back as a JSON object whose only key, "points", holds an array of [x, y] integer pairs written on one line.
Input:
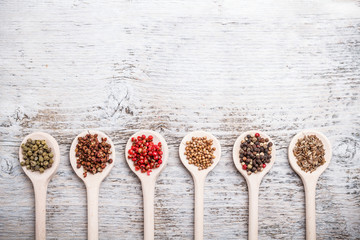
{"points": [[191, 167], [253, 181], [157, 138], [50, 172], [92, 182], [310, 179], [236, 149], [293, 160], [199, 178], [148, 181], [40, 180], [91, 178]]}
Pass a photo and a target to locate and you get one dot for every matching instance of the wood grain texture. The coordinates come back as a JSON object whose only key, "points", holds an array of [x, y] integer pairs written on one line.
{"points": [[222, 66]]}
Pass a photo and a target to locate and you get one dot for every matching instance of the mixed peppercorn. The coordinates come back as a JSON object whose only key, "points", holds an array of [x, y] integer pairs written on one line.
{"points": [[145, 154], [255, 153], [199, 151], [37, 156], [92, 154]]}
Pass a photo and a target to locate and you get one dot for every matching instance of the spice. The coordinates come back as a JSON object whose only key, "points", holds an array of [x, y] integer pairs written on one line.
{"points": [[37, 156], [309, 152], [145, 154], [199, 151], [255, 153], [92, 154]]}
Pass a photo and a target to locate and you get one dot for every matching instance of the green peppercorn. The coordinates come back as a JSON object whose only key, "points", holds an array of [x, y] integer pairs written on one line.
{"points": [[36, 155], [51, 155]]}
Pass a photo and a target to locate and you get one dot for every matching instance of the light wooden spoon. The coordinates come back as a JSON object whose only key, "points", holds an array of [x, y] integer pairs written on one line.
{"points": [[199, 178], [310, 179], [40, 181], [148, 181], [253, 182], [92, 182]]}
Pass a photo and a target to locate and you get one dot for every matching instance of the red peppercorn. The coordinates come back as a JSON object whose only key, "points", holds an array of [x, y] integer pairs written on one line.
{"points": [[244, 167], [264, 165], [145, 154], [257, 135]]}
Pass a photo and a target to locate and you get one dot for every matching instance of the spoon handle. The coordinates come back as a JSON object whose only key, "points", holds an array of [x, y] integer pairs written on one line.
{"points": [[310, 190], [93, 201], [199, 183], [40, 189], [148, 189], [253, 187]]}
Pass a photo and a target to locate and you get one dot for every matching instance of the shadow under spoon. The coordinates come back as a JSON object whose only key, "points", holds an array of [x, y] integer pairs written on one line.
{"points": [[148, 181], [310, 179], [253, 182], [199, 177], [40, 181], [92, 182]]}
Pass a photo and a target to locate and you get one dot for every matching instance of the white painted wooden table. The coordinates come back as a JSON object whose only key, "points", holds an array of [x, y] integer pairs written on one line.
{"points": [[178, 66]]}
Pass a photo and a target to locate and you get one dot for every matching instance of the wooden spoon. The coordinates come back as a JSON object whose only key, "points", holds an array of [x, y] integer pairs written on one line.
{"points": [[310, 179], [253, 181], [40, 181], [199, 178], [92, 182], [148, 181]]}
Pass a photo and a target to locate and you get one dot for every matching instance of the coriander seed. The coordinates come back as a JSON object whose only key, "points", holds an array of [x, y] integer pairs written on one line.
{"points": [[200, 152]]}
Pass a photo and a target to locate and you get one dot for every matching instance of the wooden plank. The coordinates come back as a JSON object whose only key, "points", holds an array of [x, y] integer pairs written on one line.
{"points": [[174, 67]]}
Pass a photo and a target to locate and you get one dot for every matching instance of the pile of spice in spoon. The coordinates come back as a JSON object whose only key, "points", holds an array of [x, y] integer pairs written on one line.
{"points": [[199, 151], [255, 153], [91, 154], [309, 152], [145, 154], [37, 156]]}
